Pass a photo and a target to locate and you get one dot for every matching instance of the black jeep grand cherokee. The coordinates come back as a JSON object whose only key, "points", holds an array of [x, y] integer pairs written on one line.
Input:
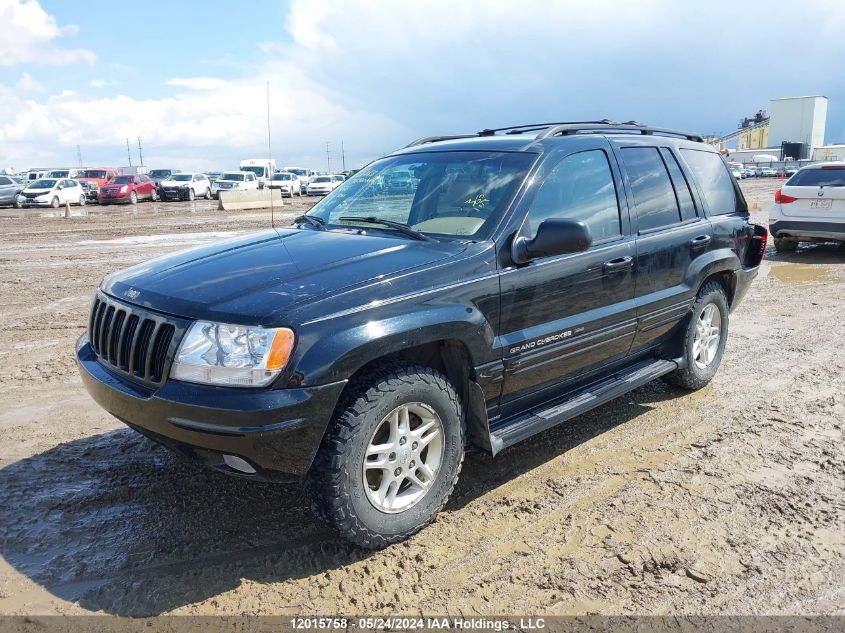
{"points": [[524, 276]]}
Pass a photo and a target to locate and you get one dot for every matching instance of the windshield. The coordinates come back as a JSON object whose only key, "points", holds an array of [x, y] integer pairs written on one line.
{"points": [[232, 176], [442, 193], [818, 177], [59, 173], [44, 183], [281, 177], [123, 180], [160, 173], [93, 173], [322, 179], [181, 177], [258, 171]]}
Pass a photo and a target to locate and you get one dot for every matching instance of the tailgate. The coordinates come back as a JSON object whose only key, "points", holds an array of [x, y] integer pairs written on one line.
{"points": [[817, 192]]}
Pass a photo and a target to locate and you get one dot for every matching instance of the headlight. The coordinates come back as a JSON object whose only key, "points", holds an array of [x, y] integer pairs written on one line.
{"points": [[124, 188], [232, 355]]}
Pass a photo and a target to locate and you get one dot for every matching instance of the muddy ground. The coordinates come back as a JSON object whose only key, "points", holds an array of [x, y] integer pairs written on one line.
{"points": [[729, 500]]}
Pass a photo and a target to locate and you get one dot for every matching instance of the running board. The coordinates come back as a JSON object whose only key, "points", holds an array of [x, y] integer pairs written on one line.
{"points": [[541, 419]]}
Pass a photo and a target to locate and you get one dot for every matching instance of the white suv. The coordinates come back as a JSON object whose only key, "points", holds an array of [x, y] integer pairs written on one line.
{"points": [[230, 180], [810, 207], [185, 187], [286, 183]]}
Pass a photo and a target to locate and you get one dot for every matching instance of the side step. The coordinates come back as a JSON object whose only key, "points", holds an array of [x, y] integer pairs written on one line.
{"points": [[540, 419]]}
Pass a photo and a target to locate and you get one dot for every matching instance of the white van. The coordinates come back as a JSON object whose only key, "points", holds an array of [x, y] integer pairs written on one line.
{"points": [[263, 168]]}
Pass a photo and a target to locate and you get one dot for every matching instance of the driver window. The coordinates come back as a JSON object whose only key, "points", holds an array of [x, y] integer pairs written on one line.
{"points": [[581, 188]]}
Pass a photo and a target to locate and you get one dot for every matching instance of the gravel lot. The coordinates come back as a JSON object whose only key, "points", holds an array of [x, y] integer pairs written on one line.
{"points": [[729, 500]]}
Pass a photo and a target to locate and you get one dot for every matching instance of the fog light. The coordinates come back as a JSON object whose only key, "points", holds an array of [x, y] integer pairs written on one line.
{"points": [[238, 464]]}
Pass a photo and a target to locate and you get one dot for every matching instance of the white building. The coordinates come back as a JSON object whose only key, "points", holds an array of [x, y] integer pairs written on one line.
{"points": [[798, 120]]}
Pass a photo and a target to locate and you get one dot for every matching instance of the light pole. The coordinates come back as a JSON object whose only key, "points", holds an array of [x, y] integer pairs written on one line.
{"points": [[328, 159]]}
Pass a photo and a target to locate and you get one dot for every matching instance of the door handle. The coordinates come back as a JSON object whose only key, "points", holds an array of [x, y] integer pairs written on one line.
{"points": [[700, 242], [618, 264]]}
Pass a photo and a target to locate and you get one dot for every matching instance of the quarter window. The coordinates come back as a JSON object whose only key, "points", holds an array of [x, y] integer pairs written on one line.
{"points": [[679, 182], [654, 198], [580, 188], [717, 184]]}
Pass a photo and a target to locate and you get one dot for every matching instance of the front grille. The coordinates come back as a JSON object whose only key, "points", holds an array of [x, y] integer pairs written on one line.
{"points": [[133, 340]]}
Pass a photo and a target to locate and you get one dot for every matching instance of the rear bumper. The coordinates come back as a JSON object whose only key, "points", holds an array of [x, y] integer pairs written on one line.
{"points": [[808, 229], [277, 431]]}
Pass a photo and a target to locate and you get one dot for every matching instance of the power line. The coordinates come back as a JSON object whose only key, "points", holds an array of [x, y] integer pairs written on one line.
{"points": [[140, 152], [343, 155], [328, 159], [128, 152]]}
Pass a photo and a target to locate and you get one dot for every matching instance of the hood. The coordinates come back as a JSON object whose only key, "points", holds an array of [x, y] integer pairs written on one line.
{"points": [[39, 191], [167, 182], [258, 278]]}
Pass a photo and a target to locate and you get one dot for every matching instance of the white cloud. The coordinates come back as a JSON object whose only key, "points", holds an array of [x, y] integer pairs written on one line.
{"points": [[348, 73], [29, 36], [28, 84], [101, 83], [196, 83]]}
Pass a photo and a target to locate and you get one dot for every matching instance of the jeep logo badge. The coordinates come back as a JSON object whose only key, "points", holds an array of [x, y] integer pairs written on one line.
{"points": [[132, 293]]}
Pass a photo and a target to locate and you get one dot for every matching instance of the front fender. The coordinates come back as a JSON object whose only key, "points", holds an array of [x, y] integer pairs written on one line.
{"points": [[339, 352]]}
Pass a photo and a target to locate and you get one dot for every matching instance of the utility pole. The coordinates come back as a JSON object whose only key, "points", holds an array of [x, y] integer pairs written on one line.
{"points": [[343, 156], [140, 152], [128, 152], [328, 159], [79, 155]]}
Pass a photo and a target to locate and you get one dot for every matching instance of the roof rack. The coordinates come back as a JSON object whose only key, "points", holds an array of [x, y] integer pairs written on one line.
{"points": [[435, 139], [566, 128], [533, 127]]}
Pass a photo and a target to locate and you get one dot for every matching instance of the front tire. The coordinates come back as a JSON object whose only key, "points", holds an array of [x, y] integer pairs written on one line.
{"points": [[133, 198], [191, 195], [390, 457], [704, 339], [784, 245]]}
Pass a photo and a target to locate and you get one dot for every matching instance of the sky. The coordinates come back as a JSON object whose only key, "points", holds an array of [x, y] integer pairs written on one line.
{"points": [[190, 78]]}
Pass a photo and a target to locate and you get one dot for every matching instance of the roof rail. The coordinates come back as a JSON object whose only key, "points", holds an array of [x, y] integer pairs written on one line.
{"points": [[566, 129], [435, 139], [531, 127]]}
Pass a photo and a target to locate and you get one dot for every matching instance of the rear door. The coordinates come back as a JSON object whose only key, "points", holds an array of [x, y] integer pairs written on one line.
{"points": [[564, 316], [671, 232], [815, 192]]}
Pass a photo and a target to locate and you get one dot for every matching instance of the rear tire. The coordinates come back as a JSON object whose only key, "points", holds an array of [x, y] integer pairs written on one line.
{"points": [[704, 339], [415, 414], [785, 245], [154, 195], [207, 193], [82, 200]]}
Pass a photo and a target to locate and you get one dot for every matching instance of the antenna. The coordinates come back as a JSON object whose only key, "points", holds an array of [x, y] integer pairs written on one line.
{"points": [[128, 153], [270, 155], [79, 155], [343, 156], [328, 159], [140, 152]]}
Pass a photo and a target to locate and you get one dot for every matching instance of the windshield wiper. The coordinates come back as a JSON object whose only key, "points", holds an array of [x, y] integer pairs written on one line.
{"points": [[317, 223], [402, 228]]}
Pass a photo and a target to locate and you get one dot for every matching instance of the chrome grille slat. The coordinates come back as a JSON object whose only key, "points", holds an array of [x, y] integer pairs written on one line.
{"points": [[133, 340]]}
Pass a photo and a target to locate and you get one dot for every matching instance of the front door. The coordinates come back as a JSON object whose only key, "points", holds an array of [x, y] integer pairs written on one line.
{"points": [[563, 316]]}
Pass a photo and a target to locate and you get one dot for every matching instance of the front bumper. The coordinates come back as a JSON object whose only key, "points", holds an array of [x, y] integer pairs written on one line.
{"points": [[277, 431], [808, 230], [103, 198]]}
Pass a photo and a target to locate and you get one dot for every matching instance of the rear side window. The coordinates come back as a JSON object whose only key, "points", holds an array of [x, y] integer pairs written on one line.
{"points": [[679, 181], [717, 184], [5, 181], [654, 196], [821, 177], [581, 188]]}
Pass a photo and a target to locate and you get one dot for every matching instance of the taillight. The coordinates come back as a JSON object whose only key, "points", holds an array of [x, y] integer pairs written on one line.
{"points": [[783, 199]]}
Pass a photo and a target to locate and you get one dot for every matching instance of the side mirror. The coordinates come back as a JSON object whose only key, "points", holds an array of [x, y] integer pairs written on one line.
{"points": [[555, 236]]}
